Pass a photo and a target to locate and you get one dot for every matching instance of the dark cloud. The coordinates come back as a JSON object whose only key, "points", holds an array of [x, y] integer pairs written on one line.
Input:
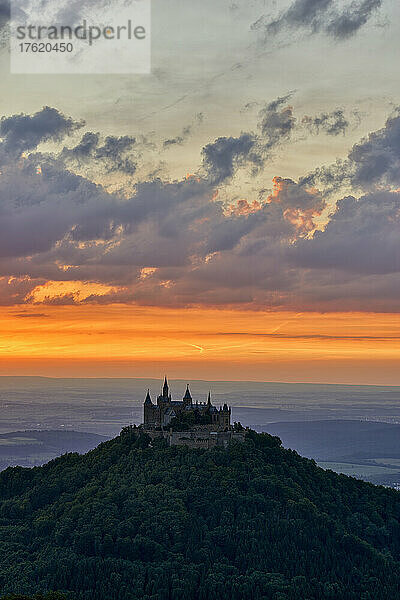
{"points": [[377, 158], [276, 122], [333, 123], [320, 16], [176, 244], [14, 291], [371, 163], [114, 147], [115, 153], [347, 23], [4, 12], [86, 147], [73, 12], [222, 158], [21, 133], [362, 237], [61, 227], [276, 126], [301, 14]]}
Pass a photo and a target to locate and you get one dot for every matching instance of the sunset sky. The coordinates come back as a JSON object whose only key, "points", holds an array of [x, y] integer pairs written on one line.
{"points": [[233, 215]]}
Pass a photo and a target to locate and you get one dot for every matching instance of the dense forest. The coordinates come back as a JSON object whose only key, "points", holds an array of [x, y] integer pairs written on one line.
{"points": [[137, 521]]}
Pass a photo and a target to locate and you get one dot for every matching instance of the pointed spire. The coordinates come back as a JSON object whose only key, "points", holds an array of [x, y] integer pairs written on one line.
{"points": [[209, 399], [165, 391], [187, 395], [148, 398]]}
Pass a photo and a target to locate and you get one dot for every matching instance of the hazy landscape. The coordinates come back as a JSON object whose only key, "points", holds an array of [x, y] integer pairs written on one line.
{"points": [[208, 191], [350, 429], [31, 448], [363, 449], [104, 406]]}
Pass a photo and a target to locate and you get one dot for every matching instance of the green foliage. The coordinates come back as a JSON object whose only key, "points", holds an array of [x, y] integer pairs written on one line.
{"points": [[48, 596], [134, 520], [237, 426]]}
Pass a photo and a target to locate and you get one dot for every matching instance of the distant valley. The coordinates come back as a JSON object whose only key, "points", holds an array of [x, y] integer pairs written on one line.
{"points": [[34, 448], [362, 449], [350, 429]]}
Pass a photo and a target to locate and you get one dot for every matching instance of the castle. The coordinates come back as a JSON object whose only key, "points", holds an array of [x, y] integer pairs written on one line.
{"points": [[200, 414], [187, 423]]}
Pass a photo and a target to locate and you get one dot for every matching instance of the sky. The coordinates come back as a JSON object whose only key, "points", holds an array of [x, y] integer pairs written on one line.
{"points": [[234, 214]]}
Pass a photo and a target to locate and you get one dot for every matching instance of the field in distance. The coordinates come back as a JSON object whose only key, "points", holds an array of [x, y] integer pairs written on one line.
{"points": [[34, 448]]}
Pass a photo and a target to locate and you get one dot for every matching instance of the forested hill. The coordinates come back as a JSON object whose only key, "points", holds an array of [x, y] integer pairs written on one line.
{"points": [[253, 521]]}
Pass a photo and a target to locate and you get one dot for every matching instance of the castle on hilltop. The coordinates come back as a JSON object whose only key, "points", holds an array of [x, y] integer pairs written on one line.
{"points": [[190, 415]]}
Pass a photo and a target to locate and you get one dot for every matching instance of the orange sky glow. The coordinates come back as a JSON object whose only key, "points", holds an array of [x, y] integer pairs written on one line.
{"points": [[128, 341]]}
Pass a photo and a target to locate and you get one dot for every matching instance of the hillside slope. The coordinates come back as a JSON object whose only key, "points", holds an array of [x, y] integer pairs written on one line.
{"points": [[253, 521]]}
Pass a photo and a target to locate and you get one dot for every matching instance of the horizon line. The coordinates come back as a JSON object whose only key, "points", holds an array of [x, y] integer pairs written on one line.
{"points": [[91, 377]]}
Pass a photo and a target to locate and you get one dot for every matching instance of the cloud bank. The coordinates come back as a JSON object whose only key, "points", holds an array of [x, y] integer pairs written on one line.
{"points": [[327, 17], [174, 243]]}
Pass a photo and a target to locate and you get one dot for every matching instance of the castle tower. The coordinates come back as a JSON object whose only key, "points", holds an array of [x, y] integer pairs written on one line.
{"points": [[226, 416], [187, 398], [165, 390], [148, 398], [150, 412]]}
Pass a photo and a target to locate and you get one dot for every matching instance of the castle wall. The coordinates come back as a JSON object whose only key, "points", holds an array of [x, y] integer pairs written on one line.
{"points": [[151, 416], [203, 439]]}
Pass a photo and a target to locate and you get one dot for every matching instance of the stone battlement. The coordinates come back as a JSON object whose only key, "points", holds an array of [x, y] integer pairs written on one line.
{"points": [[204, 439]]}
